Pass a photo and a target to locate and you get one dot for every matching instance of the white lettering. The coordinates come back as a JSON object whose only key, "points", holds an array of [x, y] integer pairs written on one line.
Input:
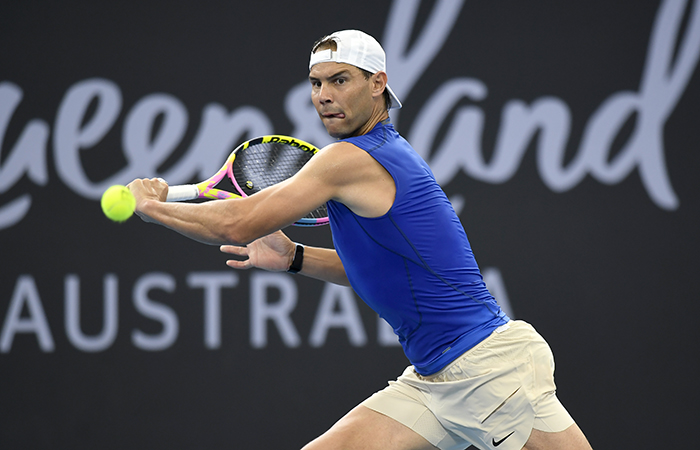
{"points": [[663, 82], [273, 299], [212, 283], [26, 157], [547, 119], [262, 311], [345, 316], [217, 136], [25, 293], [406, 66], [458, 149], [70, 137], [156, 311], [661, 87], [109, 318], [143, 151]]}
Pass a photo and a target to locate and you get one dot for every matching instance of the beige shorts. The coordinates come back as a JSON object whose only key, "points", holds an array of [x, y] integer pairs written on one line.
{"points": [[492, 396]]}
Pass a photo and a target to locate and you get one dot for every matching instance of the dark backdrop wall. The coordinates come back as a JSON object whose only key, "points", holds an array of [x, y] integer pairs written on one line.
{"points": [[565, 133]]}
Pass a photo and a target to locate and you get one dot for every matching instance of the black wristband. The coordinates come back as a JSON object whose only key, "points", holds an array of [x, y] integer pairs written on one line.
{"points": [[298, 259]]}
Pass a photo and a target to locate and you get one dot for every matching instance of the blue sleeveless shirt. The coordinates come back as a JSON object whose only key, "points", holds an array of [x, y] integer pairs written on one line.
{"points": [[414, 265]]}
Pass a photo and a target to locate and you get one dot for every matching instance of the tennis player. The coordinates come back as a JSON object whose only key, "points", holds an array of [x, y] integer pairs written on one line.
{"points": [[476, 377]]}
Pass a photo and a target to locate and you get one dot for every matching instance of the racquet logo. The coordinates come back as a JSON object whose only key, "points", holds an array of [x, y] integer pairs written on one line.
{"points": [[305, 146]]}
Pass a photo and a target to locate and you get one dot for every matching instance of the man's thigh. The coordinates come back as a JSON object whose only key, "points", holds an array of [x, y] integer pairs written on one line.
{"points": [[365, 429], [571, 439]]}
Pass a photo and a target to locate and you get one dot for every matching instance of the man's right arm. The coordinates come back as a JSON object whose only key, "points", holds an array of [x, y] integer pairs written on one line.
{"points": [[275, 253], [324, 264]]}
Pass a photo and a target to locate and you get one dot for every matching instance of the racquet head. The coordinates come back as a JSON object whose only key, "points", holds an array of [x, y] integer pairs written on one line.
{"points": [[253, 166]]}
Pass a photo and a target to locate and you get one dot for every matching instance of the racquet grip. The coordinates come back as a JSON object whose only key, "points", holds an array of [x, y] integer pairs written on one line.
{"points": [[182, 192]]}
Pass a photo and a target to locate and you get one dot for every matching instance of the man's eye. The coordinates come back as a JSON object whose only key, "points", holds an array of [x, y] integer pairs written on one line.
{"points": [[340, 81]]}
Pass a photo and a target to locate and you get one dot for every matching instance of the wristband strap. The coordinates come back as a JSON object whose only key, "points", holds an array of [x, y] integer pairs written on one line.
{"points": [[297, 260]]}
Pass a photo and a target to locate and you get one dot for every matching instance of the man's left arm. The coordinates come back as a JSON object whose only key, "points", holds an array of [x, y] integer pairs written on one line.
{"points": [[241, 220]]}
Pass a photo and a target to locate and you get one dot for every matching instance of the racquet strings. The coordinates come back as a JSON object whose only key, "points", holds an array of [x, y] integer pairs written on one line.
{"points": [[262, 165]]}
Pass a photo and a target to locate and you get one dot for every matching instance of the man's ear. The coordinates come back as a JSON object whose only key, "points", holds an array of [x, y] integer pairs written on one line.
{"points": [[379, 81]]}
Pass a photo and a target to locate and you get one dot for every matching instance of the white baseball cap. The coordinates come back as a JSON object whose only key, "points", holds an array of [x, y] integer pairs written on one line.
{"points": [[356, 48]]}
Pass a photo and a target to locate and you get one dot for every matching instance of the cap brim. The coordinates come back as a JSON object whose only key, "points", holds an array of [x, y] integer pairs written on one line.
{"points": [[395, 102]]}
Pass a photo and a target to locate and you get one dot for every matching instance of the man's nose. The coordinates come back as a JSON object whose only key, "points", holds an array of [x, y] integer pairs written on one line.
{"points": [[324, 94]]}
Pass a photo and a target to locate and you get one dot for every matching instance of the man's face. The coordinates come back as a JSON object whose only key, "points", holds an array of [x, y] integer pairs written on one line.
{"points": [[342, 97]]}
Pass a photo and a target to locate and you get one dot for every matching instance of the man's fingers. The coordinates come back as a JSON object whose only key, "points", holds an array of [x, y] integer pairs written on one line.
{"points": [[237, 251], [234, 250], [236, 264]]}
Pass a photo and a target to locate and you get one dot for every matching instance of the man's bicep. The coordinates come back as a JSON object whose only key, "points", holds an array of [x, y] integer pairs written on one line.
{"points": [[337, 167], [292, 199]]}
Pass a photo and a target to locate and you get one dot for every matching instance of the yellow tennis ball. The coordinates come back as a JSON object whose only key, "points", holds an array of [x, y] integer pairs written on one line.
{"points": [[118, 203]]}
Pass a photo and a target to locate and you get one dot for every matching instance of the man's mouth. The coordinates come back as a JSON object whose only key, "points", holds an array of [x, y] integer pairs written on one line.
{"points": [[333, 115]]}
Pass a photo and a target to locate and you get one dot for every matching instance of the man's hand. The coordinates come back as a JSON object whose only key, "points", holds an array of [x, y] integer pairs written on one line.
{"points": [[147, 189], [273, 252]]}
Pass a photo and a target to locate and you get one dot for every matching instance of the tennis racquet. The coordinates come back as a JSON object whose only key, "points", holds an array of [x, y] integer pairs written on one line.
{"points": [[251, 167]]}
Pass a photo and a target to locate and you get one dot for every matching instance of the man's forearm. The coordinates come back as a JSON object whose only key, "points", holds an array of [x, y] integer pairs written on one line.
{"points": [[324, 264], [203, 222]]}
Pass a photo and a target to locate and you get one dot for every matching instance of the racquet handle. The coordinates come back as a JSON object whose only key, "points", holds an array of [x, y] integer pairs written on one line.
{"points": [[182, 193]]}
